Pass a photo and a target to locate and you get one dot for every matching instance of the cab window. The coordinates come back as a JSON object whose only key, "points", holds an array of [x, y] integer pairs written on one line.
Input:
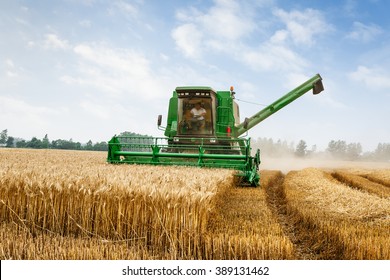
{"points": [[195, 116]]}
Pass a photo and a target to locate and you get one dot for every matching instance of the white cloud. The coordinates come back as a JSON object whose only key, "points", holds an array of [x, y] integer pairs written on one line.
{"points": [[364, 33], [270, 57], [31, 44], [96, 110], [330, 102], [294, 79], [22, 21], [127, 8], [350, 7], [9, 63], [53, 42], [26, 118], [15, 105], [188, 39], [123, 8], [279, 37], [164, 57], [225, 23], [119, 60], [11, 70], [85, 23], [114, 71], [375, 77], [86, 2], [279, 53], [11, 74], [301, 26]]}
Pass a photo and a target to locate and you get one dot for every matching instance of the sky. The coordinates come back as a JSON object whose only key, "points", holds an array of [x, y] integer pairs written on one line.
{"points": [[89, 69]]}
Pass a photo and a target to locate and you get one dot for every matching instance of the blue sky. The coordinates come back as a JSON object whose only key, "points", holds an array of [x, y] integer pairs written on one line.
{"points": [[91, 69]]}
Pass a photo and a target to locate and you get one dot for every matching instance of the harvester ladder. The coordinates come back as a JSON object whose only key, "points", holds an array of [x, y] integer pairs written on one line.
{"points": [[225, 118]]}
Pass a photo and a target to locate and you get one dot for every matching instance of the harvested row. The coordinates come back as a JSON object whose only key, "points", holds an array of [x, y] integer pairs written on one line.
{"points": [[163, 209], [379, 176], [277, 203], [244, 227], [361, 183], [343, 223]]}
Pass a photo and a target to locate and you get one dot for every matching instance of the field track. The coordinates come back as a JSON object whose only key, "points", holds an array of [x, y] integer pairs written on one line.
{"points": [[277, 203], [72, 205], [320, 233]]}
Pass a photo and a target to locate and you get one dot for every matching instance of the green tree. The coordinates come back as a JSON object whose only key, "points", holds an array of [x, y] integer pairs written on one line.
{"points": [[301, 149], [337, 148], [10, 141], [3, 136], [89, 146], [382, 151], [34, 143], [45, 142], [354, 150], [21, 144], [102, 146]]}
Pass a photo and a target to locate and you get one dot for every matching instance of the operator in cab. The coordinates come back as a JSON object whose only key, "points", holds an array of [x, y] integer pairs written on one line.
{"points": [[197, 117]]}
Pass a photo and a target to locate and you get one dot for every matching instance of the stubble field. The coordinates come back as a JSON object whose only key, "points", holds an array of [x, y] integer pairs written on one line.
{"points": [[72, 205]]}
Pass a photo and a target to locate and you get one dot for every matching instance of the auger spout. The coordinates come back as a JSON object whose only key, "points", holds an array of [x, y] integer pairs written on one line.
{"points": [[314, 83]]}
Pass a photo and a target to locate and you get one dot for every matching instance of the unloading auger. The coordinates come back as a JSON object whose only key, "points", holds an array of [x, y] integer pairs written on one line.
{"points": [[203, 129]]}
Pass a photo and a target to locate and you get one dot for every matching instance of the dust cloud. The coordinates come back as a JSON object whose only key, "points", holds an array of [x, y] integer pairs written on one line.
{"points": [[287, 164]]}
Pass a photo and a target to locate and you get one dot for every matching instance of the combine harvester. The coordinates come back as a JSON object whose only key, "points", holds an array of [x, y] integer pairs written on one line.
{"points": [[203, 129]]}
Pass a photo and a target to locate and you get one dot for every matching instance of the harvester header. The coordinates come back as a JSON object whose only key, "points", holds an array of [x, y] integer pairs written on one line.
{"points": [[203, 129]]}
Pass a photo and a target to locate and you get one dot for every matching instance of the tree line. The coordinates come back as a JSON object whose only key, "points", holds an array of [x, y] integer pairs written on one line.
{"points": [[338, 149], [45, 143]]}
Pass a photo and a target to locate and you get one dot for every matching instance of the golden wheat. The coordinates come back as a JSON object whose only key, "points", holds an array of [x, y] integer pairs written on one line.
{"points": [[362, 183], [17, 242], [343, 222], [77, 194], [72, 205], [379, 176], [244, 227]]}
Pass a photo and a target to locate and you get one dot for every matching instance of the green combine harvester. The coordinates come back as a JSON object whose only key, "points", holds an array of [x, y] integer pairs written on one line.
{"points": [[203, 129]]}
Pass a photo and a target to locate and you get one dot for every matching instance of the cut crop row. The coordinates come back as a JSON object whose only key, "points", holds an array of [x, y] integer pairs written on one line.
{"points": [[362, 183], [244, 227], [341, 223]]}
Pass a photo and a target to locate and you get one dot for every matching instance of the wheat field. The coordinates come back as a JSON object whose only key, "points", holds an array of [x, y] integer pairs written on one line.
{"points": [[63, 205]]}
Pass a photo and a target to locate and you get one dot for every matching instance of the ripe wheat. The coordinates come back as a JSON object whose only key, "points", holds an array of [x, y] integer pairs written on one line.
{"points": [[77, 194], [344, 223]]}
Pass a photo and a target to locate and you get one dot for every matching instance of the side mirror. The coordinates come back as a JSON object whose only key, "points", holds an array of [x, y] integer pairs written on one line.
{"points": [[159, 120]]}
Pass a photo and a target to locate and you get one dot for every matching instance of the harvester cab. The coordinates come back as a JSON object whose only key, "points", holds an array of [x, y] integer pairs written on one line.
{"points": [[200, 113], [195, 111], [203, 129]]}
